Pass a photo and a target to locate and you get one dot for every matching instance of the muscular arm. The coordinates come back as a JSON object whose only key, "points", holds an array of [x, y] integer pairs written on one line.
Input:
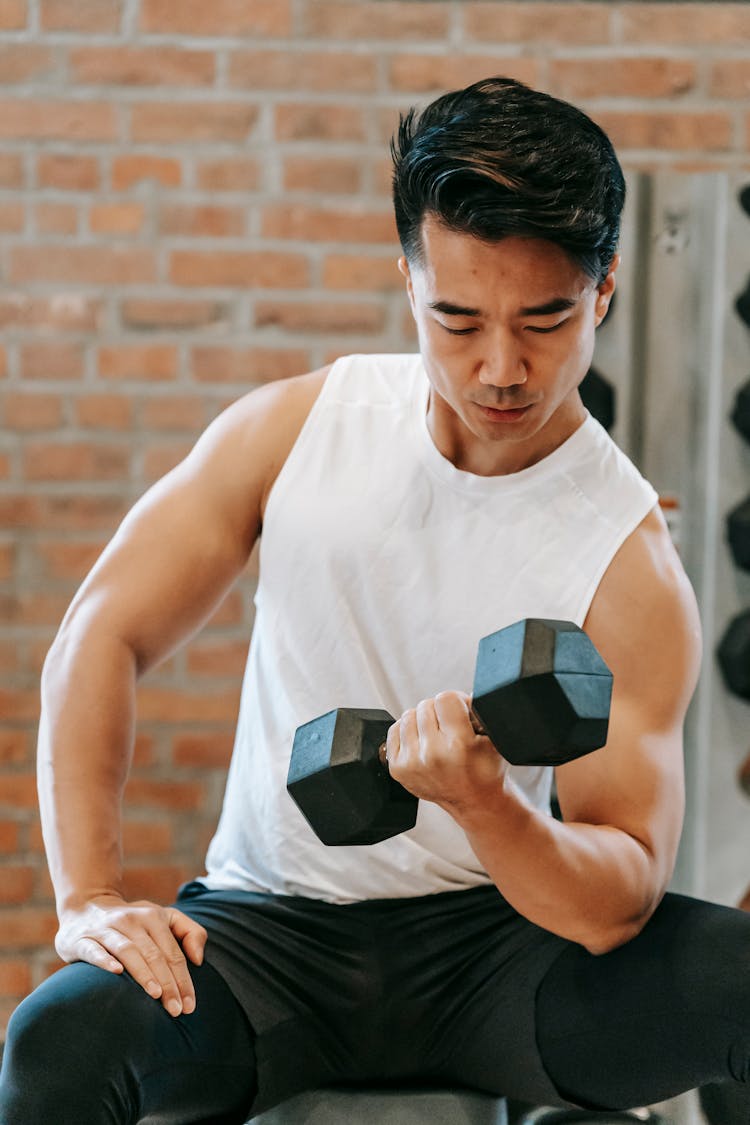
{"points": [[167, 568], [596, 877]]}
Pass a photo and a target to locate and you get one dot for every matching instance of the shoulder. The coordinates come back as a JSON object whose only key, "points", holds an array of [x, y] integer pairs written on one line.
{"points": [[644, 619]]}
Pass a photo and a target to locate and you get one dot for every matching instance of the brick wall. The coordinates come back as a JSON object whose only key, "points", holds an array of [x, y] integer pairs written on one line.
{"points": [[194, 199]]}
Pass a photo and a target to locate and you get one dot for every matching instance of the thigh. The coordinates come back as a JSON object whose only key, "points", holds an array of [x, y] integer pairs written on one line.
{"points": [[666, 1012], [91, 1046]]}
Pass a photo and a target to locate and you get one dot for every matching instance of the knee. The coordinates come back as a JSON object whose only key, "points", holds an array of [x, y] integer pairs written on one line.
{"points": [[66, 1041]]}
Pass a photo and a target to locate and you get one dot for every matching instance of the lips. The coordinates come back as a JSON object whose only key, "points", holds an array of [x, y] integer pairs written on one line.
{"points": [[507, 414]]}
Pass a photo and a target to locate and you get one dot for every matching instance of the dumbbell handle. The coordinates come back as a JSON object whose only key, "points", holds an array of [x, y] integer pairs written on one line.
{"points": [[476, 722]]}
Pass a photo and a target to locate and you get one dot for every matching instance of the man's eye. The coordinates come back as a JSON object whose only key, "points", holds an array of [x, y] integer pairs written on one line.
{"points": [[554, 327], [457, 331]]}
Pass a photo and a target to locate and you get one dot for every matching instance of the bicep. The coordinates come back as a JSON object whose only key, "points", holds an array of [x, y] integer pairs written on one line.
{"points": [[644, 621]]}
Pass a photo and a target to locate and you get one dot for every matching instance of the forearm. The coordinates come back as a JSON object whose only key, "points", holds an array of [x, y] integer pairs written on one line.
{"points": [[84, 751], [592, 884]]}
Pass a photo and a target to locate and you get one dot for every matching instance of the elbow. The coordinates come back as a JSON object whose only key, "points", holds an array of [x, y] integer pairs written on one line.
{"points": [[607, 938]]}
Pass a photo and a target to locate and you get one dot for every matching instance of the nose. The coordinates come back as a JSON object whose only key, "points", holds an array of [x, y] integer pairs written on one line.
{"points": [[503, 364]]}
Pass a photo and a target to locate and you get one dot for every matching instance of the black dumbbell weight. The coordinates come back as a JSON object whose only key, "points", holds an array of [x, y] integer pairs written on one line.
{"points": [[738, 534], [734, 655], [741, 411], [541, 693], [598, 396]]}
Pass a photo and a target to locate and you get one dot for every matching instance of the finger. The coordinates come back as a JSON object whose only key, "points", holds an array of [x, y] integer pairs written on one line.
{"points": [[139, 956], [174, 976], [409, 732], [190, 934], [92, 952], [453, 712], [392, 744], [427, 720]]}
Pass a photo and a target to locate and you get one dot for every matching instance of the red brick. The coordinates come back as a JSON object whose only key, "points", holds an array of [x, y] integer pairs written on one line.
{"points": [[15, 976], [376, 19], [160, 458], [139, 361], [239, 269], [173, 123], [18, 790], [415, 73], [550, 22], [218, 659], [730, 78], [33, 412], [14, 746], [81, 15], [27, 926], [11, 170], [171, 706], [94, 265], [143, 167], [29, 119], [117, 218], [320, 316], [172, 313], [76, 461], [3, 363], [247, 365], [56, 218], [209, 751], [64, 312], [312, 122], [230, 173], [166, 794], [7, 560], [59, 559], [12, 217], [333, 174], [12, 15], [224, 18], [5, 466], [26, 62], [16, 883], [67, 172], [622, 76], [360, 272], [674, 24], [82, 513], [52, 359], [146, 837], [344, 223], [670, 131], [205, 221], [155, 883], [104, 412], [185, 412], [31, 607], [145, 66], [337, 71], [9, 836]]}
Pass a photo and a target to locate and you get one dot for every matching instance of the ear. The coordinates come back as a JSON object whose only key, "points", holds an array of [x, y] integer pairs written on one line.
{"points": [[403, 267], [605, 291]]}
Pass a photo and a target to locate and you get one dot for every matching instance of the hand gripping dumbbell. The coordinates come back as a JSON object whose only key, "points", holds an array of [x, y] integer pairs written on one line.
{"points": [[541, 694]]}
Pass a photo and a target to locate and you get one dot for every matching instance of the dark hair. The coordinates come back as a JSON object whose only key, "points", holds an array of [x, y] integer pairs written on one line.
{"points": [[499, 159]]}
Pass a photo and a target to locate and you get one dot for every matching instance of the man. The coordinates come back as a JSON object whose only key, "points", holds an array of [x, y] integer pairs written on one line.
{"points": [[408, 506]]}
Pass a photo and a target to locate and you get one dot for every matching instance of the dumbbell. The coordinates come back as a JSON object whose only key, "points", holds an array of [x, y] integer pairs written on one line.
{"points": [[541, 694]]}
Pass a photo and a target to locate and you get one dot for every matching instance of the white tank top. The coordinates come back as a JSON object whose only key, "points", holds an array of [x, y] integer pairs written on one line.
{"points": [[381, 567]]}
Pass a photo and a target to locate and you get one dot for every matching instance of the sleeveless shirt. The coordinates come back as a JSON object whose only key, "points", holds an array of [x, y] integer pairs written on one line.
{"points": [[381, 567]]}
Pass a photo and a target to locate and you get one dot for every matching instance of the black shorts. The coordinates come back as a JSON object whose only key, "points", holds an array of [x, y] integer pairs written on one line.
{"points": [[433, 989]]}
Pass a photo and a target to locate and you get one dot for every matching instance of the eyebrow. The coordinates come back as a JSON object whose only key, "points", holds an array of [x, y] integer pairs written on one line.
{"points": [[557, 304]]}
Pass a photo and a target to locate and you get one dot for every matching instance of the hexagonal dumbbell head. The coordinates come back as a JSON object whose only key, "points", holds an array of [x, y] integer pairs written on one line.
{"points": [[738, 533], [741, 411], [734, 655], [340, 785], [542, 692]]}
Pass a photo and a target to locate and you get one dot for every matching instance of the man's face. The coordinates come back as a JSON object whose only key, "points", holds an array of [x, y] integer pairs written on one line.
{"points": [[506, 332]]}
